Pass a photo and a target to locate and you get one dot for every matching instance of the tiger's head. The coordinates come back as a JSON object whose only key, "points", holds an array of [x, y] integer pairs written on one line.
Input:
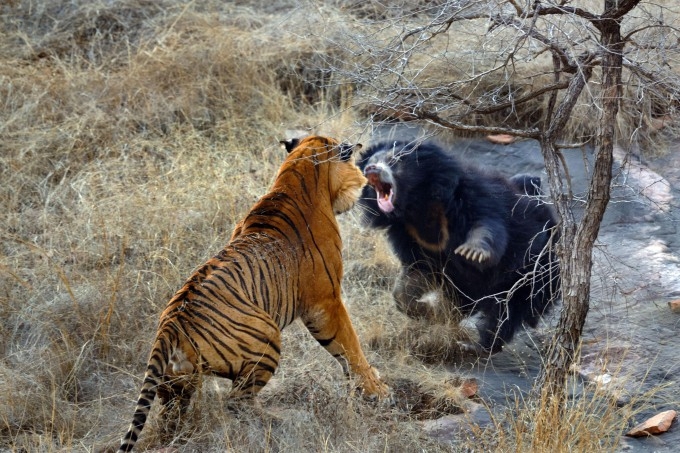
{"points": [[332, 164]]}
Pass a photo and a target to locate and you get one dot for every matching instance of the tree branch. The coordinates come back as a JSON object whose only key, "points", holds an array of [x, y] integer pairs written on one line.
{"points": [[647, 27], [494, 108], [570, 10], [444, 24], [618, 8], [518, 9], [612, 11], [576, 85], [671, 90], [522, 99], [431, 117]]}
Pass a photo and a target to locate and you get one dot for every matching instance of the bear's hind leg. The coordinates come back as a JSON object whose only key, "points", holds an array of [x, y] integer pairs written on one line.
{"points": [[500, 320], [418, 295]]}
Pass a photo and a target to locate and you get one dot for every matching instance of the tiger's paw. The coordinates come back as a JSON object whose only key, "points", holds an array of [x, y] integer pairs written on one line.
{"points": [[373, 388]]}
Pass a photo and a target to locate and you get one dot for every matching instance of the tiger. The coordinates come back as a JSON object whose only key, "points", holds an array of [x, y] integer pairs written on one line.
{"points": [[282, 262]]}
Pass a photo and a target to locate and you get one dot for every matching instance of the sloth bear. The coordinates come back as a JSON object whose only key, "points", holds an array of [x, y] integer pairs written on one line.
{"points": [[485, 240]]}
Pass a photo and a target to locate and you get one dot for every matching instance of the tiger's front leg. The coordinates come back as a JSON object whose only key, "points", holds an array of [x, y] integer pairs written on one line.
{"points": [[330, 325]]}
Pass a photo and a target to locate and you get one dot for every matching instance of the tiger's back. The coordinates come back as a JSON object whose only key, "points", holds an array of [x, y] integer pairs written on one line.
{"points": [[283, 262]]}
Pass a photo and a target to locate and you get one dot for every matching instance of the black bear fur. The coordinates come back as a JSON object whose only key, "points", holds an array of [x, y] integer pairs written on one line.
{"points": [[486, 240]]}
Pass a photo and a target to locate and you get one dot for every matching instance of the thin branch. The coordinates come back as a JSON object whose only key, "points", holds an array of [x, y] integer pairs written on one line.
{"points": [[567, 64], [439, 121], [569, 10], [555, 87], [672, 90], [647, 27], [576, 85], [443, 25], [488, 109], [518, 9]]}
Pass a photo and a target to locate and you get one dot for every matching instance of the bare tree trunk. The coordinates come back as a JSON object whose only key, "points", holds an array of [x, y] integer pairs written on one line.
{"points": [[577, 240]]}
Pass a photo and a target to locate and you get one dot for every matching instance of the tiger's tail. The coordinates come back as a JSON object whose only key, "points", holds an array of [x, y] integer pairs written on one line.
{"points": [[158, 361]]}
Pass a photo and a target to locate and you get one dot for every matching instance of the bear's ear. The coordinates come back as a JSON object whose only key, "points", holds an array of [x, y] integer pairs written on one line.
{"points": [[346, 150], [527, 184], [290, 144]]}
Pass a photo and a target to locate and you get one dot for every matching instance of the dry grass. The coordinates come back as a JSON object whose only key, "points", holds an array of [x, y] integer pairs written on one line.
{"points": [[133, 135]]}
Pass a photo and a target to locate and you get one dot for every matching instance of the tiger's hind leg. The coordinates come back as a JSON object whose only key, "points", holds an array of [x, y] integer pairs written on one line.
{"points": [[175, 396], [247, 385], [330, 325], [175, 392], [258, 362]]}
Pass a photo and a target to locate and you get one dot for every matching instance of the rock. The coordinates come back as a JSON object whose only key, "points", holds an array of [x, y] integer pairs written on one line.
{"points": [[655, 425], [611, 368], [654, 188], [469, 388], [674, 305], [450, 427]]}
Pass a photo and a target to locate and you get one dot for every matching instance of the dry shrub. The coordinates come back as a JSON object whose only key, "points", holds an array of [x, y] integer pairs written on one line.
{"points": [[93, 32], [191, 71]]}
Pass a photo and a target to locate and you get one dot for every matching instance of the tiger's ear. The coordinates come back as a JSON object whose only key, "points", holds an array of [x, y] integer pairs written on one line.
{"points": [[346, 150], [290, 144]]}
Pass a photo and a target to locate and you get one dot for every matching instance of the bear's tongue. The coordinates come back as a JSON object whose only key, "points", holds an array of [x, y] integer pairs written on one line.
{"points": [[385, 201], [384, 191]]}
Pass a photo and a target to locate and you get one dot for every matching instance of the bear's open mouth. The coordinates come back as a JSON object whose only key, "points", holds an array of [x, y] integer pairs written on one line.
{"points": [[384, 191]]}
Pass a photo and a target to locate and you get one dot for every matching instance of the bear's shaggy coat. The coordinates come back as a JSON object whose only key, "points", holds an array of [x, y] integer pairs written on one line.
{"points": [[484, 239]]}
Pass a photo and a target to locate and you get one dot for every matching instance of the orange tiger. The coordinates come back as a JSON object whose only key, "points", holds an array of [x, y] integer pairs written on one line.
{"points": [[283, 262]]}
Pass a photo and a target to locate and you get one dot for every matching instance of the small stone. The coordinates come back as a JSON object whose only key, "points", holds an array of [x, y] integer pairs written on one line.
{"points": [[603, 379], [674, 305], [469, 388], [655, 425]]}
